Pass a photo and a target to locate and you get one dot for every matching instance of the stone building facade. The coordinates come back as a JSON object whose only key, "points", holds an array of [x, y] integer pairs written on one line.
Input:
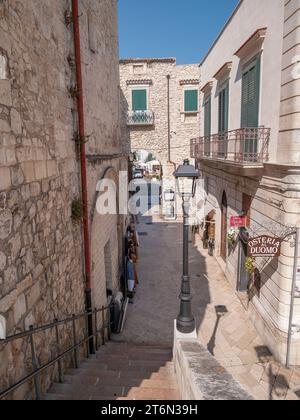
{"points": [[171, 114], [41, 248], [249, 156]]}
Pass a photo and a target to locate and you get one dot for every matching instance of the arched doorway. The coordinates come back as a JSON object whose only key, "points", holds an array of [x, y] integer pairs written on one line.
{"points": [[146, 166], [224, 212], [107, 232]]}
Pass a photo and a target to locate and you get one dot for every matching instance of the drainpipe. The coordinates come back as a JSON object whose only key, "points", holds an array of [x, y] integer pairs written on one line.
{"points": [[81, 123], [169, 123]]}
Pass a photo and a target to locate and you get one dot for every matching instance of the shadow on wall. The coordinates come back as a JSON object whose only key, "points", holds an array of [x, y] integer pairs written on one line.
{"points": [[125, 133], [278, 383]]}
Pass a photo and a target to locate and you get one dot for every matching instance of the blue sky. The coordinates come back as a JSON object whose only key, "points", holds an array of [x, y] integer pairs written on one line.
{"points": [[184, 29]]}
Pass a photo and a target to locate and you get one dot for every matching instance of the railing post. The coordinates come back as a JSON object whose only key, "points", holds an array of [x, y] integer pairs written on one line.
{"points": [[109, 324], [103, 325], [35, 365], [87, 335], [75, 342], [60, 371], [96, 329]]}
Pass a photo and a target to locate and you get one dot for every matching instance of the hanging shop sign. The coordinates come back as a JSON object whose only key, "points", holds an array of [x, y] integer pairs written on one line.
{"points": [[238, 221], [264, 246]]}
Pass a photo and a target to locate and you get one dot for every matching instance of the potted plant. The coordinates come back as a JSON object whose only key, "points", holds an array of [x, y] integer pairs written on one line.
{"points": [[250, 265], [231, 238]]}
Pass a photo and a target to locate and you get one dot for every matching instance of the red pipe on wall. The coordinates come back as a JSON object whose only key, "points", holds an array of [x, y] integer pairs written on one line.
{"points": [[81, 123], [81, 127]]}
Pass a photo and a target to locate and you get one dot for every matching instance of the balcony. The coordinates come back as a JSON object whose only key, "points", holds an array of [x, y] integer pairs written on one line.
{"points": [[246, 148], [140, 118]]}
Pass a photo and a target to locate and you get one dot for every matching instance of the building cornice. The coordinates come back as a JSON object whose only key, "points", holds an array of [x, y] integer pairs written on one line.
{"points": [[189, 82], [223, 71], [147, 60], [255, 41], [207, 88], [135, 82]]}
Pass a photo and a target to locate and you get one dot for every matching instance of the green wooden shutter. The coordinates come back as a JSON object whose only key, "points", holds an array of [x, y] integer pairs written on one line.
{"points": [[226, 106], [223, 109], [207, 117], [245, 94], [139, 100], [250, 95], [191, 101]]}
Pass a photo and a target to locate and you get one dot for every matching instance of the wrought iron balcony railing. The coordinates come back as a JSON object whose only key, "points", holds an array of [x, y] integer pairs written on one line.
{"points": [[140, 118], [244, 147]]}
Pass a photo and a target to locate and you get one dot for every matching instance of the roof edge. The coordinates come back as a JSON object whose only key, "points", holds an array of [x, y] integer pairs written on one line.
{"points": [[171, 60], [222, 31]]}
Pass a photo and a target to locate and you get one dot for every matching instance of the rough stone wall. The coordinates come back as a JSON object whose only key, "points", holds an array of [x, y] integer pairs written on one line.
{"points": [[183, 127], [41, 261], [155, 138]]}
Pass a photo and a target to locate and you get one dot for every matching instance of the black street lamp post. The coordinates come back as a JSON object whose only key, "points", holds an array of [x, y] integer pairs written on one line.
{"points": [[186, 176]]}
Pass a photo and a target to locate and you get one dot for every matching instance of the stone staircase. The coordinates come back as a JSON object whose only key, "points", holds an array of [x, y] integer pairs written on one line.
{"points": [[121, 371]]}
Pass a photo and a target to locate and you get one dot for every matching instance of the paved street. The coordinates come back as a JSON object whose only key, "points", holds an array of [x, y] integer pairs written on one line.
{"points": [[232, 338]]}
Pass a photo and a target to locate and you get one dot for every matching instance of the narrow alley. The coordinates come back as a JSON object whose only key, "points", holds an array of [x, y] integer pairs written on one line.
{"points": [[231, 338]]}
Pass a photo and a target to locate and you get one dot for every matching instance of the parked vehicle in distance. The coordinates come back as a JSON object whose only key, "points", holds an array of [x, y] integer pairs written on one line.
{"points": [[138, 173]]}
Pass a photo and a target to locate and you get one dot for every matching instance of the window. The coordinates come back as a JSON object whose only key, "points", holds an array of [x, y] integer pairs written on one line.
{"points": [[3, 67], [207, 125], [207, 116], [139, 100], [250, 95], [191, 101], [223, 108]]}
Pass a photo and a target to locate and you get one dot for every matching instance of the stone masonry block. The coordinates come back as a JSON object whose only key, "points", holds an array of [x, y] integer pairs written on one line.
{"points": [[40, 169], [16, 123], [19, 308], [33, 295], [5, 179], [8, 301], [28, 169], [52, 168], [5, 224], [5, 93]]}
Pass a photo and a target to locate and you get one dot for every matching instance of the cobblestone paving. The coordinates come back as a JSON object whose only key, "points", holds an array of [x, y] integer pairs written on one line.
{"points": [[232, 339]]}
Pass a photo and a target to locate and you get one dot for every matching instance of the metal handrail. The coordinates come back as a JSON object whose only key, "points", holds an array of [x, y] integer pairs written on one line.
{"points": [[37, 370], [140, 118], [244, 146]]}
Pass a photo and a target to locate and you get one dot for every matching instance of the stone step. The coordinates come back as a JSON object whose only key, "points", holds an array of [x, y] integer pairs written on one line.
{"points": [[140, 373], [65, 397], [133, 356], [121, 371], [162, 374], [117, 346], [124, 381], [78, 391], [152, 394], [136, 365]]}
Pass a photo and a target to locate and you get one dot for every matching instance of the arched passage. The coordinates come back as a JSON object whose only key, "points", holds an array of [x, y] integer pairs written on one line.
{"points": [[106, 246]]}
